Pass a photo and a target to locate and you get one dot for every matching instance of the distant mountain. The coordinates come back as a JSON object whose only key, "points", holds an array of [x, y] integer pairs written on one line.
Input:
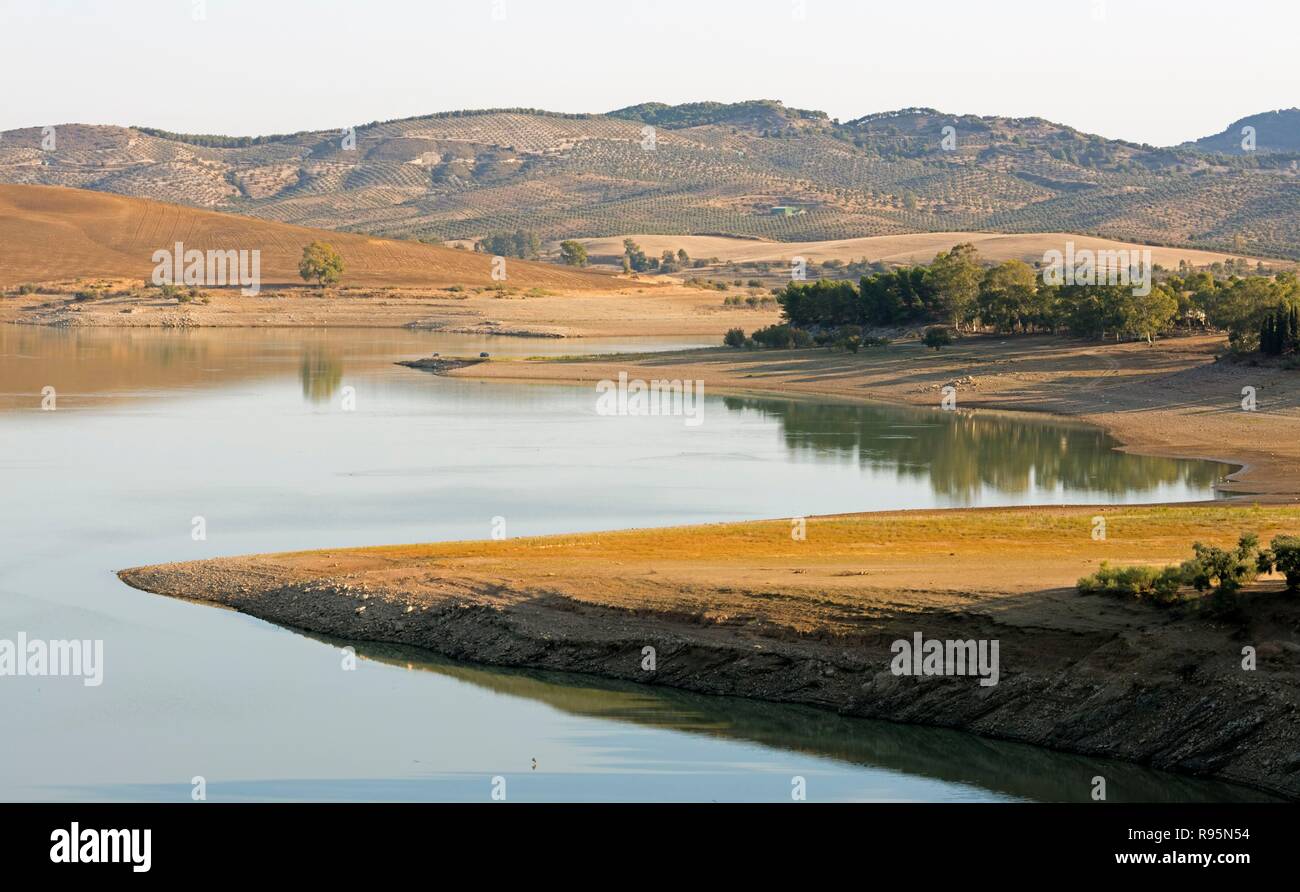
{"points": [[1275, 131], [755, 168]]}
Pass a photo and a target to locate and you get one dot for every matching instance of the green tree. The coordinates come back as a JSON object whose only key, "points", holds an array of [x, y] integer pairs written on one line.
{"points": [[1283, 555], [635, 259], [321, 262], [1007, 296], [1145, 316], [573, 253], [956, 278]]}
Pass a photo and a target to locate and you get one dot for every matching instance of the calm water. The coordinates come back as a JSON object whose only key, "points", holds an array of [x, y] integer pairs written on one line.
{"points": [[248, 430]]}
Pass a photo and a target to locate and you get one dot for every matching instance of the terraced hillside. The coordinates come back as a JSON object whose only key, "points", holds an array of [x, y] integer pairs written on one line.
{"points": [[754, 169]]}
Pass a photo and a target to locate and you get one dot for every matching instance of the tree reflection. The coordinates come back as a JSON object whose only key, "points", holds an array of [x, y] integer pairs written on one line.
{"points": [[321, 374], [962, 453]]}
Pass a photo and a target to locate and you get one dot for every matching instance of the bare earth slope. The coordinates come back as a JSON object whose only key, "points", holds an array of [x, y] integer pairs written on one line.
{"points": [[50, 233]]}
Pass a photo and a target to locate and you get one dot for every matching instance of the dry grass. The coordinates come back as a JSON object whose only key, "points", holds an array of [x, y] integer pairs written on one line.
{"points": [[847, 567]]}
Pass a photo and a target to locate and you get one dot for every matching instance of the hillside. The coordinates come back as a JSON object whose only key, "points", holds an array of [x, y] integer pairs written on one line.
{"points": [[1275, 131], [915, 248], [711, 168], [50, 233]]}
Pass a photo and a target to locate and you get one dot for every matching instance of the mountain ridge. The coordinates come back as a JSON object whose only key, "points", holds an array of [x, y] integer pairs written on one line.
{"points": [[756, 168]]}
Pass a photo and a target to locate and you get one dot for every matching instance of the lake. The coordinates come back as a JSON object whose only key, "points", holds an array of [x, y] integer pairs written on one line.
{"points": [[294, 439]]}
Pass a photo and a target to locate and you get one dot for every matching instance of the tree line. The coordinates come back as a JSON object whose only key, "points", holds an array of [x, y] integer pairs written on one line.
{"points": [[959, 290]]}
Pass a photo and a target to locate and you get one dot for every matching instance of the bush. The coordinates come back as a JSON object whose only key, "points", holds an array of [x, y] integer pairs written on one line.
{"points": [[735, 337], [937, 337], [783, 337], [1221, 571], [1218, 571], [27, 288], [1283, 555], [1159, 585]]}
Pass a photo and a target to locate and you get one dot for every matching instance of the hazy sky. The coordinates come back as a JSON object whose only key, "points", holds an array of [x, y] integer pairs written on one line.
{"points": [[1145, 70]]}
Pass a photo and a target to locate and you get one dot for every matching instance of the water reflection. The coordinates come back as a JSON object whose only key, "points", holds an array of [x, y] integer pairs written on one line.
{"points": [[963, 453], [321, 373], [1001, 767]]}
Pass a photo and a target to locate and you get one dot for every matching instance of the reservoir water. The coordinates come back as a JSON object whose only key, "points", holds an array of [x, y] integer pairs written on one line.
{"points": [[289, 439]]}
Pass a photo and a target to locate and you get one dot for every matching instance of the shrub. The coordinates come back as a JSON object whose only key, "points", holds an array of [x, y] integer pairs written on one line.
{"points": [[735, 337], [1159, 585], [783, 336], [1283, 555], [27, 288], [937, 337], [1221, 570]]}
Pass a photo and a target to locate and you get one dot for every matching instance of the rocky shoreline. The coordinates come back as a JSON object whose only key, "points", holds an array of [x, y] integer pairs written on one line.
{"points": [[439, 364]]}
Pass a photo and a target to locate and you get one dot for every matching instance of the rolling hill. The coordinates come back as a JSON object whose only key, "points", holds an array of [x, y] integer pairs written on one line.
{"points": [[753, 169], [1275, 131], [48, 233], [905, 250]]}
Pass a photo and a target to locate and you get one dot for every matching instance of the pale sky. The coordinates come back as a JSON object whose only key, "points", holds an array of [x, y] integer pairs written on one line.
{"points": [[1156, 71]]}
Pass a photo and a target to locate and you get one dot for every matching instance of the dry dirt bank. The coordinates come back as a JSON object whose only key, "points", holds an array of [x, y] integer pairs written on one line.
{"points": [[742, 609], [625, 309]]}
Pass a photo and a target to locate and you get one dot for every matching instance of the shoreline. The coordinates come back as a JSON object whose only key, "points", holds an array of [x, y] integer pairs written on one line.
{"points": [[1179, 403], [738, 609], [742, 610], [623, 308]]}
